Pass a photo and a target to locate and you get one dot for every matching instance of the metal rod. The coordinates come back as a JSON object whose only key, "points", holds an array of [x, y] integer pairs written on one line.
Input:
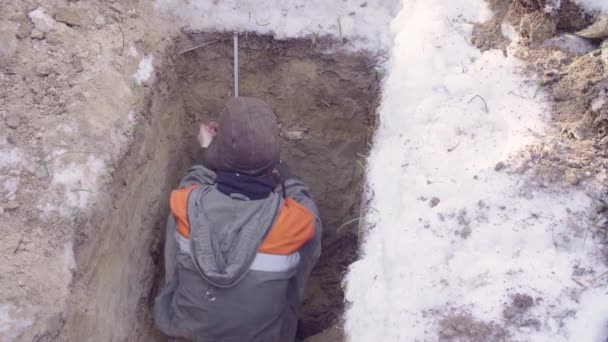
{"points": [[236, 64]]}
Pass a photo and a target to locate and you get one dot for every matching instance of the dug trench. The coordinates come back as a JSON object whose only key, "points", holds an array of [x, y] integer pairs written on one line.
{"points": [[325, 101]]}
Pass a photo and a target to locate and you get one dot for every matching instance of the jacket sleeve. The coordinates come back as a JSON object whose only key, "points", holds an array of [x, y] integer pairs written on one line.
{"points": [[197, 174], [311, 251]]}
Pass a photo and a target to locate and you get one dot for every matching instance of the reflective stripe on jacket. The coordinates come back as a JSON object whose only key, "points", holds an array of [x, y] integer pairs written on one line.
{"points": [[216, 289]]}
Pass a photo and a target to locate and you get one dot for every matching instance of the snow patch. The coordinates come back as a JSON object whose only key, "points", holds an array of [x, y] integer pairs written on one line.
{"points": [[552, 6], [144, 70], [509, 32], [453, 227], [11, 161], [133, 51], [68, 258], [594, 5], [363, 22], [74, 183], [11, 325], [570, 43], [42, 21]]}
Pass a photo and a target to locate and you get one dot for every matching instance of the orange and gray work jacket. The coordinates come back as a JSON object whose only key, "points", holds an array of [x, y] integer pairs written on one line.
{"points": [[236, 268]]}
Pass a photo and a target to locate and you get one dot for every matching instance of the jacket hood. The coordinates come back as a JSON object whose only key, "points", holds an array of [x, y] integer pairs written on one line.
{"points": [[226, 232]]}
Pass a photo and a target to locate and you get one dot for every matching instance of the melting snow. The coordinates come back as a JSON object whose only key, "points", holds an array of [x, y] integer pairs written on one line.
{"points": [[144, 70], [75, 182], [450, 115], [10, 326], [594, 5], [367, 21], [11, 161], [42, 21]]}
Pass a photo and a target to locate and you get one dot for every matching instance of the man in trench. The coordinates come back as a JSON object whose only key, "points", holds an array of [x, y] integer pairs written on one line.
{"points": [[242, 237]]}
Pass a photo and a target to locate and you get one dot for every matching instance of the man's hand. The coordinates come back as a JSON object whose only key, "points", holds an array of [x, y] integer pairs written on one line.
{"points": [[206, 133]]}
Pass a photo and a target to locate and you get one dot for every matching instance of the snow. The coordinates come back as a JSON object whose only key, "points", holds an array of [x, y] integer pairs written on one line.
{"points": [[74, 183], [144, 70], [436, 140], [571, 44], [11, 161], [10, 326], [42, 21], [594, 5], [367, 21]]}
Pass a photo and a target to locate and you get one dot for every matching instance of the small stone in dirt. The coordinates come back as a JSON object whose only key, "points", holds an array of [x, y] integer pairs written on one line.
{"points": [[434, 202], [69, 16], [11, 140], [43, 69], [569, 44], [13, 121], [37, 34], [12, 205], [499, 166], [294, 135], [100, 20], [25, 29]]}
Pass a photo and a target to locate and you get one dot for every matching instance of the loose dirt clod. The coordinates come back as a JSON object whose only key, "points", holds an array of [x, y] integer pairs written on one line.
{"points": [[69, 16], [434, 202], [463, 327]]}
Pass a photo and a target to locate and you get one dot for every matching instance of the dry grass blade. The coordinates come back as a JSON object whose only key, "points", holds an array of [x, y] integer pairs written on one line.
{"points": [[347, 223], [485, 105], [198, 46]]}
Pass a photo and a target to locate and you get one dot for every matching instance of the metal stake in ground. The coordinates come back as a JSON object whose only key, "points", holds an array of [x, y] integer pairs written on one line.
{"points": [[236, 64]]}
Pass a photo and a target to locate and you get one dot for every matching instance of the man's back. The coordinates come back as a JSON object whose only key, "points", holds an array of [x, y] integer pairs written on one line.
{"points": [[237, 258]]}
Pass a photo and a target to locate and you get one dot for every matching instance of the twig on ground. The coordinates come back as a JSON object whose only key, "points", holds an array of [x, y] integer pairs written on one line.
{"points": [[578, 282], [538, 85], [198, 46], [340, 30], [18, 246], [453, 148], [361, 165], [122, 49], [482, 99], [457, 30], [261, 24], [78, 190]]}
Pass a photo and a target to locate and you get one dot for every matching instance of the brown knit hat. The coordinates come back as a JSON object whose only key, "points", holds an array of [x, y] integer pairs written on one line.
{"points": [[247, 140]]}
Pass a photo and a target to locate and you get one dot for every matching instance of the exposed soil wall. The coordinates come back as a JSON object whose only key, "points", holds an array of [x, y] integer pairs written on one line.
{"points": [[325, 102]]}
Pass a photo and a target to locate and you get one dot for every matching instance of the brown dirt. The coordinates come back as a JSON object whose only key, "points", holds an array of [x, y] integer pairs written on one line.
{"points": [[69, 108], [325, 104], [577, 86], [488, 35], [462, 326], [65, 96]]}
